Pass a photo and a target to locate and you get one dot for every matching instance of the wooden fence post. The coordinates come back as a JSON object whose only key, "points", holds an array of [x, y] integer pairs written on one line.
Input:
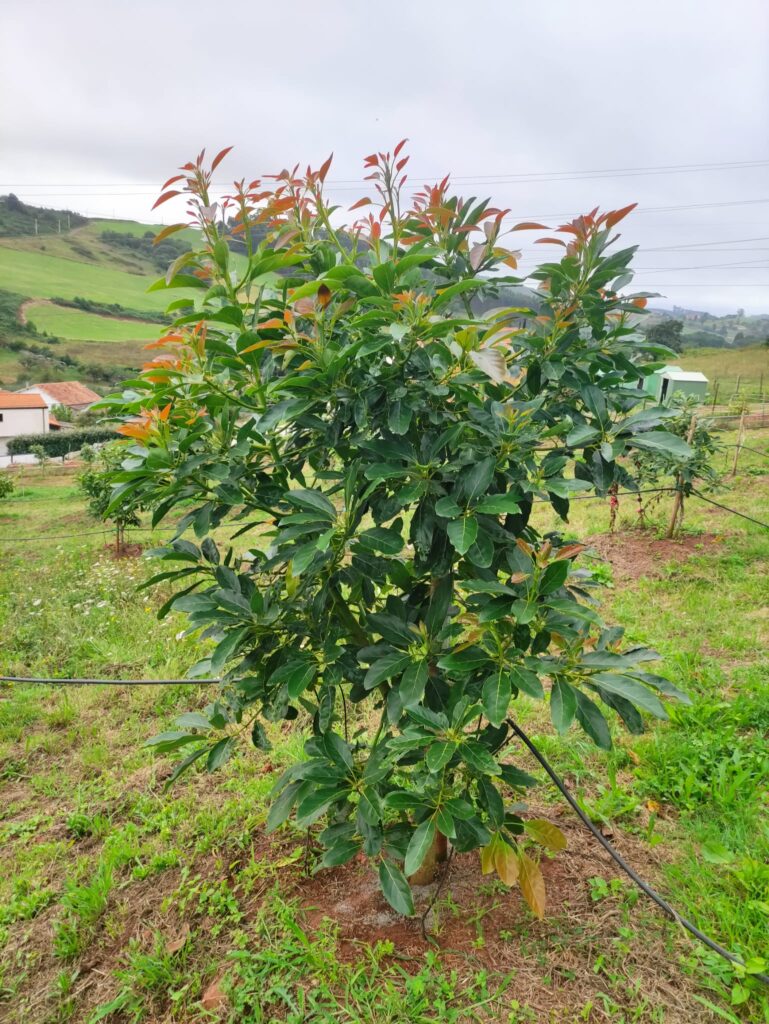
{"points": [[678, 500], [740, 443]]}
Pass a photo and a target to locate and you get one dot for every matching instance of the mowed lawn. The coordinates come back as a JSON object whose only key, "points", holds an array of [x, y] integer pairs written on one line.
{"points": [[78, 325], [44, 277]]}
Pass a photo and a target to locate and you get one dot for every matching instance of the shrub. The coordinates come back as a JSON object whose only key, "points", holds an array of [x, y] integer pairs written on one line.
{"points": [[384, 451], [7, 486], [59, 443]]}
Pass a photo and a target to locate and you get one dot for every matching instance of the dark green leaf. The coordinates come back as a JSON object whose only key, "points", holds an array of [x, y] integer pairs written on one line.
{"points": [[396, 888], [592, 721], [563, 705], [419, 844], [462, 533], [387, 667], [496, 697], [412, 684]]}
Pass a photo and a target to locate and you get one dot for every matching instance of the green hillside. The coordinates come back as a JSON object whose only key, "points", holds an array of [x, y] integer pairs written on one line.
{"points": [[74, 302], [41, 276], [79, 325]]}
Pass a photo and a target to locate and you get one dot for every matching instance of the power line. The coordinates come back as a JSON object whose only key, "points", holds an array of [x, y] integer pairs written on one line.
{"points": [[500, 177], [697, 245]]}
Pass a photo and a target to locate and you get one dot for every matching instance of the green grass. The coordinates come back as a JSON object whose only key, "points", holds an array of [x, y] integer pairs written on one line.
{"points": [[122, 902], [42, 276], [78, 325], [728, 364], [133, 227]]}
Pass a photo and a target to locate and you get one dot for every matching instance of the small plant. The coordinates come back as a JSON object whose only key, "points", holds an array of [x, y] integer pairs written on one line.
{"points": [[7, 486], [62, 413], [42, 458], [382, 444]]}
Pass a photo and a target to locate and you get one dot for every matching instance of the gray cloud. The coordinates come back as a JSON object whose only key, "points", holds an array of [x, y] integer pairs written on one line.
{"points": [[102, 100]]}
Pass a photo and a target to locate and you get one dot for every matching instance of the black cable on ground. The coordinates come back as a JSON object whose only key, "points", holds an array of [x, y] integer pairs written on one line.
{"points": [[618, 859], [629, 871], [107, 682], [85, 533], [726, 508]]}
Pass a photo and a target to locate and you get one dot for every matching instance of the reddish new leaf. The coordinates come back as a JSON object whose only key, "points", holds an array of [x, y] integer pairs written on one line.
{"points": [[324, 168], [219, 157], [164, 198], [170, 230], [617, 215]]}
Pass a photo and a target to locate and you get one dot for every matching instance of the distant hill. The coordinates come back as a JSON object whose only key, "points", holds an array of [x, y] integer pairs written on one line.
{"points": [[17, 218], [73, 294], [706, 330]]}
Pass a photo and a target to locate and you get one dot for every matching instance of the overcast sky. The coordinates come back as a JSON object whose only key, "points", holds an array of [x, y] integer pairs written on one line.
{"points": [[100, 100]]}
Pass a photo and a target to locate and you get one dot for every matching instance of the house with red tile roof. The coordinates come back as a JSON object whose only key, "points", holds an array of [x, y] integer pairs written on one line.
{"points": [[21, 414], [70, 393]]}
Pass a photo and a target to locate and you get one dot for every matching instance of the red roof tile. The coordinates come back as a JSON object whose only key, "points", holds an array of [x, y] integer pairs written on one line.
{"points": [[69, 392], [9, 400]]}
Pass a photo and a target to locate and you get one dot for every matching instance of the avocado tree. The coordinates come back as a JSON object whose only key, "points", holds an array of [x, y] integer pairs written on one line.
{"points": [[376, 451], [95, 483]]}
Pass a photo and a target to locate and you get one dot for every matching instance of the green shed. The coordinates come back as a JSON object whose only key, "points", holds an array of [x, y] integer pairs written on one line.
{"points": [[668, 380]]}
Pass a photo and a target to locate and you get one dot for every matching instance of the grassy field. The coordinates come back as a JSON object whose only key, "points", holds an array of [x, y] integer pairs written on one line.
{"points": [[124, 902], [78, 325], [43, 277], [726, 365]]}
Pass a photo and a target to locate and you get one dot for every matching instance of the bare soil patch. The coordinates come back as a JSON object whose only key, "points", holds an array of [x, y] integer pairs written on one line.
{"points": [[640, 553]]}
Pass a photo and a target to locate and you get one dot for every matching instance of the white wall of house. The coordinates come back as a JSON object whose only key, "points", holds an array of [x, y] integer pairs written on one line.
{"points": [[37, 390], [21, 421]]}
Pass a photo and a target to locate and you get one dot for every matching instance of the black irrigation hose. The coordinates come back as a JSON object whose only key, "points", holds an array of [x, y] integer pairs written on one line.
{"points": [[107, 682], [629, 871], [86, 533], [726, 508], [618, 859]]}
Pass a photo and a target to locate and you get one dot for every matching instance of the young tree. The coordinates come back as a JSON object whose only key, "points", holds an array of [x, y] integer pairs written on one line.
{"points": [[336, 400], [95, 483], [42, 458]]}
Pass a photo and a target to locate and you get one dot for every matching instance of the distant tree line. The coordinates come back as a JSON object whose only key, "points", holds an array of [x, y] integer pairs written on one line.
{"points": [[18, 218], [160, 255]]}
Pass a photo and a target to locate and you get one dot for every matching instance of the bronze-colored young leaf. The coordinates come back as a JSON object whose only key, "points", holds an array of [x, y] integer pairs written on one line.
{"points": [[532, 885], [546, 833]]}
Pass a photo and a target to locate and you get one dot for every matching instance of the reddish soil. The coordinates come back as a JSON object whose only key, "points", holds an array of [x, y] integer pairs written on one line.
{"points": [[637, 553]]}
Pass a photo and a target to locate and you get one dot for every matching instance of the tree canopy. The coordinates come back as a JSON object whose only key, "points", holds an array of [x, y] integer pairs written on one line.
{"points": [[376, 450]]}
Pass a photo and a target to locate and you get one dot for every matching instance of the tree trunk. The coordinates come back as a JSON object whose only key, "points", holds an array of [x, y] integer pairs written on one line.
{"points": [[436, 855]]}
